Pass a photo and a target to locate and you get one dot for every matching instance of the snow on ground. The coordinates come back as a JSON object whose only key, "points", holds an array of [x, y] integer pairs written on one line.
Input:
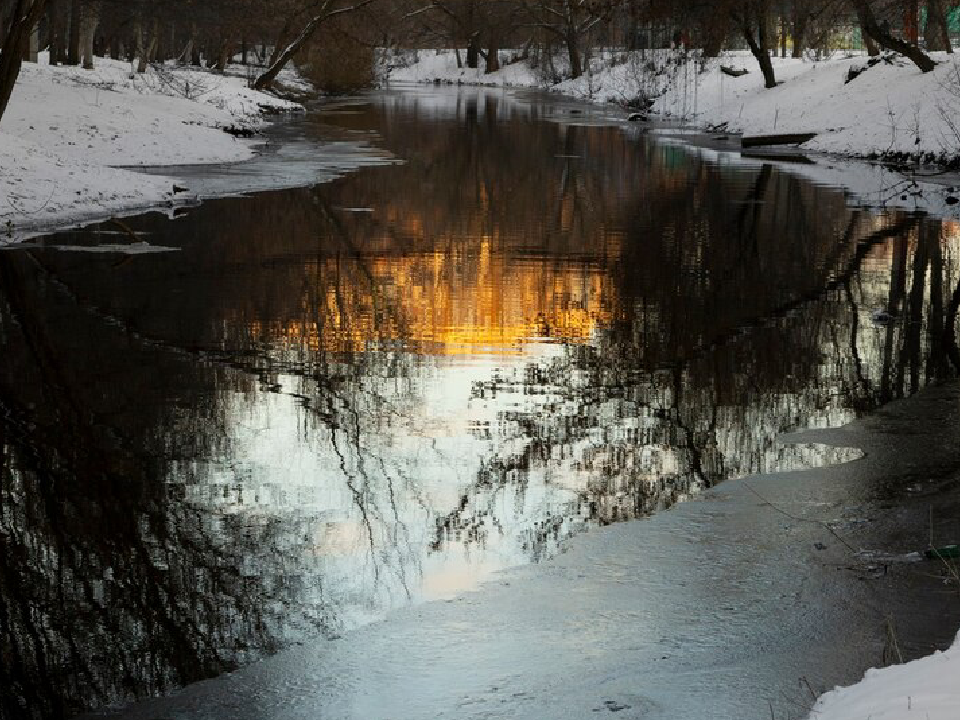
{"points": [[928, 688], [67, 129], [891, 107]]}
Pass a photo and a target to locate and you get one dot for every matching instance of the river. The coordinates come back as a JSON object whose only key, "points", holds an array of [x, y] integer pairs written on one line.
{"points": [[498, 325]]}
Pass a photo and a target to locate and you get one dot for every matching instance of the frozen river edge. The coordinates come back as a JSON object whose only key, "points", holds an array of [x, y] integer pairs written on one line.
{"points": [[728, 606]]}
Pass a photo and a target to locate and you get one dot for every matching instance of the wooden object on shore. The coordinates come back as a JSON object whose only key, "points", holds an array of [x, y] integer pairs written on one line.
{"points": [[734, 72], [752, 141], [786, 157]]}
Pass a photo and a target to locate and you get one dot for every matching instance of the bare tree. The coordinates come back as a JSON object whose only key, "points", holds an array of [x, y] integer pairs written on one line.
{"points": [[317, 14], [89, 20], [937, 32], [22, 20], [569, 21], [753, 19], [882, 35]]}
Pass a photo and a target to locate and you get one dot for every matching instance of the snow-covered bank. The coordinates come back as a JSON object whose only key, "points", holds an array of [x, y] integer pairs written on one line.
{"points": [[67, 131], [928, 688], [891, 107]]}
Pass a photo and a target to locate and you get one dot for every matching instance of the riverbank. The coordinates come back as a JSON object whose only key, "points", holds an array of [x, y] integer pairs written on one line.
{"points": [[68, 135], [746, 603], [889, 110]]}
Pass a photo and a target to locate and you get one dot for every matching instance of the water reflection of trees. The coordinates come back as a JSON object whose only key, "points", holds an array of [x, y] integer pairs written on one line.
{"points": [[656, 320], [110, 588], [678, 397]]}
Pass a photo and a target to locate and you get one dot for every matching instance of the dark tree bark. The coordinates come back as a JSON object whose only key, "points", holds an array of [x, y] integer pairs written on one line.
{"points": [[883, 38], [752, 20], [326, 12], [715, 35], [936, 35], [911, 21], [800, 20], [223, 55], [573, 53], [473, 52], [14, 39], [56, 29], [73, 39], [493, 57], [89, 20], [195, 58], [937, 361]]}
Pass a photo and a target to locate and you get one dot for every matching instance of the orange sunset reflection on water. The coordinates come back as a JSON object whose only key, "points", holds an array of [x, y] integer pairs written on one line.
{"points": [[448, 302]]}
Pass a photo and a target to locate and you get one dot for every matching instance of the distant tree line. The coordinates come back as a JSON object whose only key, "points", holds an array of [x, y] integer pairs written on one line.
{"points": [[766, 27], [272, 32], [204, 33]]}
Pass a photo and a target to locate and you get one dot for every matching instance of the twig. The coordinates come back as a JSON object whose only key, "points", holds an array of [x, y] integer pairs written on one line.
{"points": [[822, 524]]}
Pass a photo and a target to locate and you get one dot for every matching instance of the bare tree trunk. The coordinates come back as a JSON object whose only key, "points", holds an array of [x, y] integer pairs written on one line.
{"points": [[154, 46], [31, 50], [473, 52], [283, 39], [936, 359], [89, 21], [493, 57], [800, 19], [140, 51], [146, 53], [56, 29], [73, 40], [911, 21], [937, 33], [715, 35], [288, 53], [13, 39], [759, 47], [223, 55], [194, 57], [871, 28], [573, 53], [187, 53]]}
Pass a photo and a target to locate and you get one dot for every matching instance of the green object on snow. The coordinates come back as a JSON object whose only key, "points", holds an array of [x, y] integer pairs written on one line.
{"points": [[948, 551]]}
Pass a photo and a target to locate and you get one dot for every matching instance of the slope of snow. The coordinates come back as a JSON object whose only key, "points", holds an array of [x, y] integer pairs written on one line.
{"points": [[928, 688], [66, 130], [891, 107]]}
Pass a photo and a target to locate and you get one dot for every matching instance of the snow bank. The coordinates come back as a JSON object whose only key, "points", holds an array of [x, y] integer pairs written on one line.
{"points": [[66, 130], [890, 108], [928, 688]]}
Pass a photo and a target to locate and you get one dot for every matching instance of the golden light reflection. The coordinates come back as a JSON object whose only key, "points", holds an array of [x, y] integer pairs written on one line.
{"points": [[463, 300]]}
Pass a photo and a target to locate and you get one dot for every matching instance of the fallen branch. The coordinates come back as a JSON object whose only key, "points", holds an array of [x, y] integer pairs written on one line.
{"points": [[734, 72]]}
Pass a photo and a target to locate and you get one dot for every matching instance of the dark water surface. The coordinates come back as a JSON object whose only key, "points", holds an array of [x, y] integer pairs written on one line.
{"points": [[323, 403]]}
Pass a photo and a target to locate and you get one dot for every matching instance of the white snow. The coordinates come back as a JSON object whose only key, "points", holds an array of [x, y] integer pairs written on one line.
{"points": [[890, 107], [928, 688], [66, 130]]}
